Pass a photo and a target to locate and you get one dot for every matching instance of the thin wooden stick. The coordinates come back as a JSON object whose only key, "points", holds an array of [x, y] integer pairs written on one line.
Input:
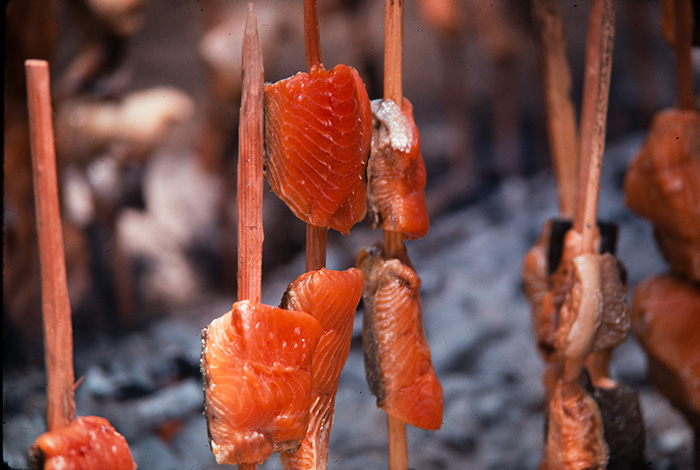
{"points": [[684, 66], [250, 170], [312, 36], [316, 237], [561, 119], [250, 165], [393, 241], [58, 331], [597, 142]]}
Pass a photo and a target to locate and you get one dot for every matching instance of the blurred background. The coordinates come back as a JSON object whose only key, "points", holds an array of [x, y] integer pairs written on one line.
{"points": [[146, 96]]}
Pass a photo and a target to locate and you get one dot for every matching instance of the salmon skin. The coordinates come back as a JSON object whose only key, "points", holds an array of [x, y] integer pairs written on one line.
{"points": [[318, 132], [397, 356], [256, 363], [396, 172], [331, 297], [85, 444]]}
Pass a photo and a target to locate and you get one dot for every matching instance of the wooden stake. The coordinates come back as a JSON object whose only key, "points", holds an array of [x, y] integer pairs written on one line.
{"points": [[58, 331], [393, 241], [561, 120], [596, 140], [316, 237], [312, 36], [250, 166], [684, 65], [250, 170]]}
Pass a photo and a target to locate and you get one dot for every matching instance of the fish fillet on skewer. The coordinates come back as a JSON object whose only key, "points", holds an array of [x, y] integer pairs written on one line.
{"points": [[666, 321], [575, 437], [396, 172], [318, 132], [256, 363], [332, 298], [397, 356], [86, 444], [663, 185]]}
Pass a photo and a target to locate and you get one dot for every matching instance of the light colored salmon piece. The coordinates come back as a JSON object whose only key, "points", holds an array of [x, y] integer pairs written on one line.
{"points": [[318, 131], [575, 437], [396, 172], [256, 363], [89, 442], [663, 185], [397, 356], [331, 297]]}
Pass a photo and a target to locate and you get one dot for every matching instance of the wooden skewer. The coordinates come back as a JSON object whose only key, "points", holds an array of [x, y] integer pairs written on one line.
{"points": [[561, 120], [250, 170], [599, 48], [316, 237], [393, 241], [596, 141], [58, 331], [684, 66]]}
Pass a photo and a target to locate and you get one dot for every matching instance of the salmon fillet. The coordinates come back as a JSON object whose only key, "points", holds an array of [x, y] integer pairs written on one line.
{"points": [[256, 363], [318, 131], [396, 172], [397, 356], [89, 442], [332, 298]]}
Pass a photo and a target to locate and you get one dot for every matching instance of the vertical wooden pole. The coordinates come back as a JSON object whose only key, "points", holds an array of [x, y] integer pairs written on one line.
{"points": [[58, 330]]}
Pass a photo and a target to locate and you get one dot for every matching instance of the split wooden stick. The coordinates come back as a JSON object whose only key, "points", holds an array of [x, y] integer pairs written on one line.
{"points": [[561, 119], [586, 221], [316, 237], [58, 330], [684, 66], [250, 170], [393, 241]]}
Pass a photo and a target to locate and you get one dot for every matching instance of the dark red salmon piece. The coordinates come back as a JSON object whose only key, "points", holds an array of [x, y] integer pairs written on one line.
{"points": [[89, 442], [256, 362], [396, 172], [331, 297], [397, 356], [318, 130]]}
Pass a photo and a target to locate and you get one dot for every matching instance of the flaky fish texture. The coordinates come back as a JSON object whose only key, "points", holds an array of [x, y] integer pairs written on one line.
{"points": [[318, 132], [256, 363], [396, 172], [332, 298], [89, 442], [575, 435], [397, 356]]}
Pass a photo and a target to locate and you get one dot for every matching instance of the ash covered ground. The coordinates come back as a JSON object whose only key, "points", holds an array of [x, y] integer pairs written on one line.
{"points": [[477, 321], [488, 200]]}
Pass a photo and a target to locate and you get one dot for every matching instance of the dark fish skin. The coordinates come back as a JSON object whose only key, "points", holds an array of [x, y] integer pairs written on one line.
{"points": [[397, 356]]}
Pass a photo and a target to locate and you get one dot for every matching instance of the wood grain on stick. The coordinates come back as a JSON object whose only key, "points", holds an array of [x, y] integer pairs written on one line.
{"points": [[58, 330], [250, 166], [596, 140], [561, 118], [250, 170]]}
